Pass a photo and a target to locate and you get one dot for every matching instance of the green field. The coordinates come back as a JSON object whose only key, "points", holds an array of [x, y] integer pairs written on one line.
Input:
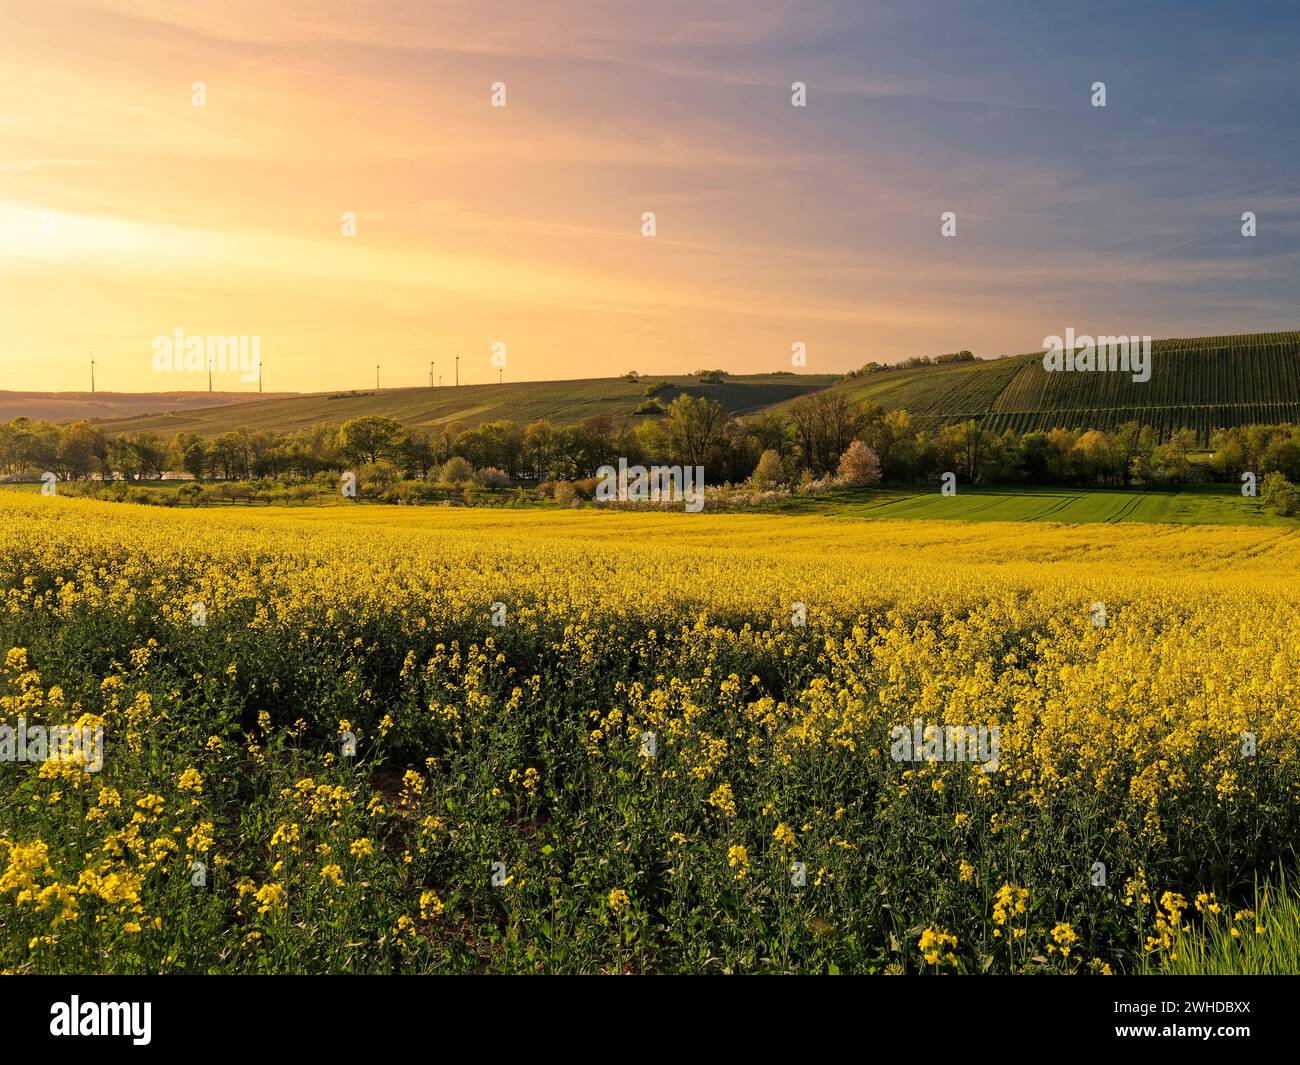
{"points": [[1210, 505], [1199, 505]]}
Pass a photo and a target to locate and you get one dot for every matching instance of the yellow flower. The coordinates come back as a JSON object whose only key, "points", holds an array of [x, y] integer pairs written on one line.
{"points": [[1063, 939], [199, 840], [932, 946], [61, 896], [27, 861], [151, 804], [270, 898], [404, 933], [618, 898], [431, 906], [1008, 902], [723, 800]]}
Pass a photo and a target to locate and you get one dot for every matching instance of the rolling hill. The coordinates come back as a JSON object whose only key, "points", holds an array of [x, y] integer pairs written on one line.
{"points": [[103, 406], [559, 401], [1202, 384]]}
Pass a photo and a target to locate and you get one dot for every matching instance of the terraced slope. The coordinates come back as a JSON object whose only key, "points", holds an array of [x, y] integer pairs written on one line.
{"points": [[933, 394], [1203, 384]]}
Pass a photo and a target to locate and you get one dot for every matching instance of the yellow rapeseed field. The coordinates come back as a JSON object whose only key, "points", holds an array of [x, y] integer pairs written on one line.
{"points": [[386, 738]]}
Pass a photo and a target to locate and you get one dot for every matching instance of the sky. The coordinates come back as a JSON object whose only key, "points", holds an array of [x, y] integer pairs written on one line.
{"points": [[128, 211]]}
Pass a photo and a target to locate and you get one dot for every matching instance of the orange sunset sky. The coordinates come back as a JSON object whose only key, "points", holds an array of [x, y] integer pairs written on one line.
{"points": [[127, 212]]}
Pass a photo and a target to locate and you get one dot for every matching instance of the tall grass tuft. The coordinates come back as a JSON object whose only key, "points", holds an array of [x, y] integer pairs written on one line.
{"points": [[1264, 941]]}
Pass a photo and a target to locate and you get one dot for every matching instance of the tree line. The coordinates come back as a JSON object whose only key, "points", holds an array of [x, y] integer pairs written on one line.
{"points": [[804, 441]]}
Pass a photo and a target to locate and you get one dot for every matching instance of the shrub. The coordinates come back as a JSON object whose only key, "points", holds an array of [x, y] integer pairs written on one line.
{"points": [[456, 470], [1280, 495], [412, 493], [769, 472], [376, 478]]}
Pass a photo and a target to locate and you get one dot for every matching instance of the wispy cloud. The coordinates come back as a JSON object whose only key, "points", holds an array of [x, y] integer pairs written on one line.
{"points": [[122, 206]]}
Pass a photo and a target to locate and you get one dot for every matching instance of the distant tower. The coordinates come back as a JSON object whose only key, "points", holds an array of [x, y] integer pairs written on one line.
{"points": [[430, 373], [209, 373], [499, 373], [92, 375], [376, 377], [259, 376], [457, 371]]}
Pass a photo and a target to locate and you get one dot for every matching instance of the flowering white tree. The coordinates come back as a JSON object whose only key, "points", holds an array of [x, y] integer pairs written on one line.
{"points": [[859, 467]]}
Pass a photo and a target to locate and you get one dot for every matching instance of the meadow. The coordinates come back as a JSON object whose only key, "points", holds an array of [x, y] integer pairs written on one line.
{"points": [[1198, 505], [375, 739]]}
